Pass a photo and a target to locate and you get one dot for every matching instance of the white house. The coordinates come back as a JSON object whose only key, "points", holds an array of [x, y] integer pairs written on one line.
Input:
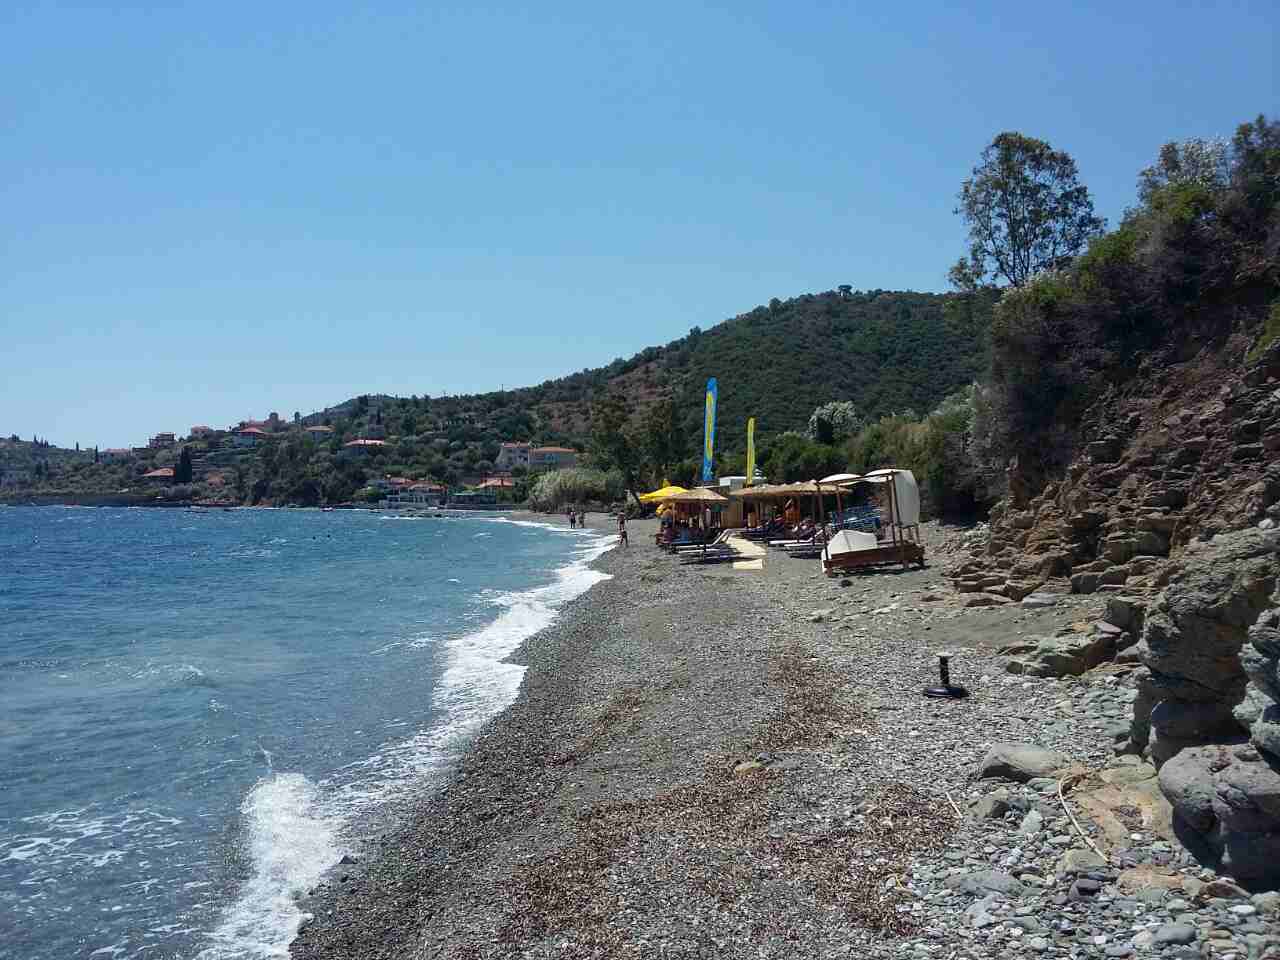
{"points": [[534, 458]]}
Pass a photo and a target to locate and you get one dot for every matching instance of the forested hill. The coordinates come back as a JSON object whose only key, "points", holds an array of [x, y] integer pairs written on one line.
{"points": [[888, 352]]}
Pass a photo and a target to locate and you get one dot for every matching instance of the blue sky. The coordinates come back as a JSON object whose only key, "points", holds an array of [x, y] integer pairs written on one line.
{"points": [[213, 211]]}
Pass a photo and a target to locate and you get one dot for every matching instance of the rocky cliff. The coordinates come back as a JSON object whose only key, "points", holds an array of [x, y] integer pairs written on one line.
{"points": [[1180, 451]]}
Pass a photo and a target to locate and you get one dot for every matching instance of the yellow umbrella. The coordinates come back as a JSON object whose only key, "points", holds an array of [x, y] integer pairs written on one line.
{"points": [[663, 493]]}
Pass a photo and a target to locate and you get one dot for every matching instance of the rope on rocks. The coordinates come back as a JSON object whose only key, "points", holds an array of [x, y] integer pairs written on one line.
{"points": [[1074, 822]]}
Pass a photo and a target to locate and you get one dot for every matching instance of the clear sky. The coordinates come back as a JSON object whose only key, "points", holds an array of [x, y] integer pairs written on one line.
{"points": [[211, 211]]}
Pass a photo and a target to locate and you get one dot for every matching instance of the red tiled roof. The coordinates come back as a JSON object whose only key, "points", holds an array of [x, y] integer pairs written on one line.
{"points": [[254, 431], [502, 482], [553, 450], [164, 473]]}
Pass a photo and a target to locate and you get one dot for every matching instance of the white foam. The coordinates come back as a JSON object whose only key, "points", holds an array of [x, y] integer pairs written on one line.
{"points": [[292, 841], [294, 831]]}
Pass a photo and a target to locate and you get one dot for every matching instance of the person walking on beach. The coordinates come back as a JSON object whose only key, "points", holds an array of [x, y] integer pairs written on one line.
{"points": [[571, 518], [622, 529]]}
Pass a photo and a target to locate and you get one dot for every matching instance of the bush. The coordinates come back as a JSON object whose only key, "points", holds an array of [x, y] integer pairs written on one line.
{"points": [[560, 488]]}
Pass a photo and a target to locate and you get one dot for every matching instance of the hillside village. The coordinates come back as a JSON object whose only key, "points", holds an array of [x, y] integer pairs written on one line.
{"points": [[221, 465]]}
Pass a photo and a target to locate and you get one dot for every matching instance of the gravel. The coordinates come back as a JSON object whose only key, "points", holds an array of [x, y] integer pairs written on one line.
{"points": [[698, 766]]}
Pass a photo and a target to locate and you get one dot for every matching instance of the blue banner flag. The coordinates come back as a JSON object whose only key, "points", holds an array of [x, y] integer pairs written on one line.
{"points": [[709, 433]]}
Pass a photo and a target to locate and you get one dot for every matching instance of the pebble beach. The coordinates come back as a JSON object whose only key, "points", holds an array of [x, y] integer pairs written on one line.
{"points": [[711, 762]]}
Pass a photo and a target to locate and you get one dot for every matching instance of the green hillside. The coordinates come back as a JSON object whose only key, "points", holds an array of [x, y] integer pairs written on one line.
{"points": [[887, 352]]}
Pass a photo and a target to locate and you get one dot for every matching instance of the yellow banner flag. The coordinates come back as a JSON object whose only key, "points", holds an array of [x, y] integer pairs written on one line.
{"points": [[751, 452]]}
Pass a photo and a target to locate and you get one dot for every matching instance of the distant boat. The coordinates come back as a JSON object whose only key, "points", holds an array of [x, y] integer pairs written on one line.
{"points": [[326, 509]]}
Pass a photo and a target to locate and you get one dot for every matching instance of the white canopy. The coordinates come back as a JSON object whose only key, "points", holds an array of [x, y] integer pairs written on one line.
{"points": [[839, 478], [906, 493]]}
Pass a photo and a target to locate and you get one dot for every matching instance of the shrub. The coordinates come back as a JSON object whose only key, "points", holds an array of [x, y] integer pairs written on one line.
{"points": [[559, 488]]}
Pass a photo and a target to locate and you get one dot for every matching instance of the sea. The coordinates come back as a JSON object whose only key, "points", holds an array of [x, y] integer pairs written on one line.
{"points": [[202, 711]]}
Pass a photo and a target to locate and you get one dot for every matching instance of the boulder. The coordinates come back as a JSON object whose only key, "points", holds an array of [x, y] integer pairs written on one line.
{"points": [[1085, 582], [1066, 656], [1119, 548], [992, 806], [1079, 861], [1193, 635], [1020, 762], [1226, 805], [979, 883]]}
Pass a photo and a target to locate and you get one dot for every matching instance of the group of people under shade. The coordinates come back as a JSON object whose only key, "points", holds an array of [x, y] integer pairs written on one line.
{"points": [[680, 530]]}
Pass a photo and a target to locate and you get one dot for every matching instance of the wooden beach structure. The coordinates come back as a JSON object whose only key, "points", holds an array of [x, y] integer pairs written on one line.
{"points": [[898, 539]]}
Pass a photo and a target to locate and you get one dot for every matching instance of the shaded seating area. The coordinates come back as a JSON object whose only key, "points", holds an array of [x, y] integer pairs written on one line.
{"points": [[689, 526]]}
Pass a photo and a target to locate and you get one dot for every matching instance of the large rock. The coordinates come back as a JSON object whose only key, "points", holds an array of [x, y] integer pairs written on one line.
{"points": [[1020, 762], [1193, 635], [992, 806], [1226, 807], [1126, 613], [1066, 656], [981, 882]]}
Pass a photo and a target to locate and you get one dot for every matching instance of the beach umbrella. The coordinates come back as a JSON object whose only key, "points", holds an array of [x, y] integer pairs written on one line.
{"points": [[698, 495], [662, 493]]}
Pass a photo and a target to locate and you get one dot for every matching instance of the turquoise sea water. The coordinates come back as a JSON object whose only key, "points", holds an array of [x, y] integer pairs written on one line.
{"points": [[199, 710]]}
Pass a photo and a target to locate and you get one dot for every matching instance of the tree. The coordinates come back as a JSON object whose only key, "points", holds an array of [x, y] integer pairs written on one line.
{"points": [[1026, 212], [612, 446], [662, 438], [1198, 162], [834, 421], [793, 457]]}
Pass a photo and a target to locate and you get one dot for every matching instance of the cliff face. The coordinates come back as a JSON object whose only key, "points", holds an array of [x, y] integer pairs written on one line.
{"points": [[1173, 501], [1179, 452]]}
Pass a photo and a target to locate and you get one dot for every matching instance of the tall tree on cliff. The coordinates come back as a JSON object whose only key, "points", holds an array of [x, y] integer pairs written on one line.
{"points": [[1026, 212], [182, 472]]}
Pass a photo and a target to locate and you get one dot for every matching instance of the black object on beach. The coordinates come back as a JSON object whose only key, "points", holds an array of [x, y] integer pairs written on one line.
{"points": [[947, 691]]}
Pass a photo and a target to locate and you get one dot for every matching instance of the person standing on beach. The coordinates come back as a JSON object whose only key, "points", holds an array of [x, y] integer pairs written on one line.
{"points": [[571, 518], [622, 529]]}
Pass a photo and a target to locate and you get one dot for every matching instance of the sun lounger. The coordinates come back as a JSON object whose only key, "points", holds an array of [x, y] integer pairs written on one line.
{"points": [[721, 553]]}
